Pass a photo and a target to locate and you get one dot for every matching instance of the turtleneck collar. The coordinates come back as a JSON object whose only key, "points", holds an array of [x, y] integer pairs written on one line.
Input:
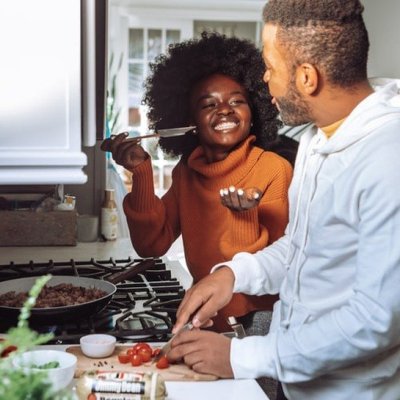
{"points": [[232, 169]]}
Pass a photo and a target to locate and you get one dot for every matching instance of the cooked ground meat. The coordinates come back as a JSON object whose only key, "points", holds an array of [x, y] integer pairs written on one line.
{"points": [[64, 294]]}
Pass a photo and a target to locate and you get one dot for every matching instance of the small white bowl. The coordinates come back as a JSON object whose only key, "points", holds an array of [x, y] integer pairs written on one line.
{"points": [[97, 345], [60, 377]]}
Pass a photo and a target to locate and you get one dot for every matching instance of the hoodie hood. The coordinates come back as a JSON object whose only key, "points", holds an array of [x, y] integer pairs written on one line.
{"points": [[376, 109]]}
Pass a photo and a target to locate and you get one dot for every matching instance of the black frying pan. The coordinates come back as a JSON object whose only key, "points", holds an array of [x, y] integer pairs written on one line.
{"points": [[54, 315]]}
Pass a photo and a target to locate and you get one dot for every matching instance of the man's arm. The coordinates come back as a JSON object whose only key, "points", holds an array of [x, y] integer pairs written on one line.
{"points": [[260, 273]]}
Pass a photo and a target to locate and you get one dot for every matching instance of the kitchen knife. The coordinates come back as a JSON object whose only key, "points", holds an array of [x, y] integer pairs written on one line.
{"points": [[167, 346], [171, 132]]}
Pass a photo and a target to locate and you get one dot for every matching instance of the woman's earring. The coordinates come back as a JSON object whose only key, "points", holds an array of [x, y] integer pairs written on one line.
{"points": [[194, 131]]}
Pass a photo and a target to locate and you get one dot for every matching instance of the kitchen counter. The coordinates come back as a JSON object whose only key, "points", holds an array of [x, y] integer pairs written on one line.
{"points": [[210, 390], [122, 248]]}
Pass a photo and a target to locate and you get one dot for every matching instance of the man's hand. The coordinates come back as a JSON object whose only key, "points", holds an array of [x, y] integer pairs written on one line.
{"points": [[205, 298], [240, 199], [204, 351], [125, 152]]}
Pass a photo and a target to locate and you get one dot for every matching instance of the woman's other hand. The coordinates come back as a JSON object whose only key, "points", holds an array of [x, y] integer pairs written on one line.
{"points": [[240, 199], [125, 151]]}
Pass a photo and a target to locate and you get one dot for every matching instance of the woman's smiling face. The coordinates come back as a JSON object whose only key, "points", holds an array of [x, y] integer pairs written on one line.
{"points": [[220, 110]]}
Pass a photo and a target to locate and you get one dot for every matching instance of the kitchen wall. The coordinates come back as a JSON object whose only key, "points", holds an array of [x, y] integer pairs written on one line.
{"points": [[383, 23]]}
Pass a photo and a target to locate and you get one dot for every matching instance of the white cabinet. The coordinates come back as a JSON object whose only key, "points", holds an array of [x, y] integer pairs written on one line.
{"points": [[40, 92]]}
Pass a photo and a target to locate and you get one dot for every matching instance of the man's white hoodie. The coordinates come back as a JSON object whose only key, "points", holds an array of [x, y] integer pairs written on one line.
{"points": [[335, 332]]}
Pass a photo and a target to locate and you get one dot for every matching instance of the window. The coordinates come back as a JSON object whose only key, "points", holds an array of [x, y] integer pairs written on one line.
{"points": [[144, 46], [244, 30]]}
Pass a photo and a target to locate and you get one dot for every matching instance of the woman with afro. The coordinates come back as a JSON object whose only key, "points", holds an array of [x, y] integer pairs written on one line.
{"points": [[228, 192]]}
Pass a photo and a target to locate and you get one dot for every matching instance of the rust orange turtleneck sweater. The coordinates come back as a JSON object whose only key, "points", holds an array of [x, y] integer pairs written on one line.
{"points": [[211, 233]]}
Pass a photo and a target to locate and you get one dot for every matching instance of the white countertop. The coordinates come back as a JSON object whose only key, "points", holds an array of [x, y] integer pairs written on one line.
{"points": [[217, 390], [120, 248]]}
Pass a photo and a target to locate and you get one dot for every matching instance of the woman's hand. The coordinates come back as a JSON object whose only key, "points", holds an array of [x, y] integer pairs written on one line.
{"points": [[240, 199], [204, 351], [125, 152]]}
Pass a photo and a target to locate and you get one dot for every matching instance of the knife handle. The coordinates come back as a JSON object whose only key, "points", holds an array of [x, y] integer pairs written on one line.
{"points": [[236, 327]]}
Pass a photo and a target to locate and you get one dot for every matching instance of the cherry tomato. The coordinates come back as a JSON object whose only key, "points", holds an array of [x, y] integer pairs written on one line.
{"points": [[136, 360], [132, 351], [8, 350], [145, 354], [162, 363], [124, 358], [156, 352], [142, 345]]}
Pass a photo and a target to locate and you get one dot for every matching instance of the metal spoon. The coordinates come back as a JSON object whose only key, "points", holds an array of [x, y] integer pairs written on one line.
{"points": [[171, 132]]}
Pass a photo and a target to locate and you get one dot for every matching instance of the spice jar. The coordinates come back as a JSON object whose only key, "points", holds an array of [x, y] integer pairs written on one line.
{"points": [[109, 216]]}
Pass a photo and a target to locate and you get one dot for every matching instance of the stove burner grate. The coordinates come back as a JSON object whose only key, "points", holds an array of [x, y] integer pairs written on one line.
{"points": [[143, 307]]}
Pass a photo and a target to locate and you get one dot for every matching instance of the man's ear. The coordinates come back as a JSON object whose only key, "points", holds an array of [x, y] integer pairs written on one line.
{"points": [[307, 79]]}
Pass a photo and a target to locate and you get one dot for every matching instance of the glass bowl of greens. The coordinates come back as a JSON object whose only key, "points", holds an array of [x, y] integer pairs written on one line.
{"points": [[57, 367]]}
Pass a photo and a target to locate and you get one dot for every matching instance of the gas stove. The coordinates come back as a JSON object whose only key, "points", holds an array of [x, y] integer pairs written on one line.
{"points": [[143, 307]]}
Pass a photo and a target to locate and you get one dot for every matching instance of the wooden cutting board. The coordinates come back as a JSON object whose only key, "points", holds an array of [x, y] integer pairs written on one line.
{"points": [[175, 372]]}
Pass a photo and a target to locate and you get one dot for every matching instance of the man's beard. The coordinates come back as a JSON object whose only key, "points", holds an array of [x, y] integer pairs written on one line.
{"points": [[293, 108]]}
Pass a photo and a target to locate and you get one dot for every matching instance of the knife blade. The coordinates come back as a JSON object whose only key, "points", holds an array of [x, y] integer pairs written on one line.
{"points": [[167, 346], [170, 132]]}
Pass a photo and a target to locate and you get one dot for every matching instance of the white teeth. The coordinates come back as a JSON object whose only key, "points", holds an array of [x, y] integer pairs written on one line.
{"points": [[225, 125]]}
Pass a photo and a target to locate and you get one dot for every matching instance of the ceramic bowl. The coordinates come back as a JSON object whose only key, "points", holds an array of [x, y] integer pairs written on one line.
{"points": [[97, 345], [60, 377]]}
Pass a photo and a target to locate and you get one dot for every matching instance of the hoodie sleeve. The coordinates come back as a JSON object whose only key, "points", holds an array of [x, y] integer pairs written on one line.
{"points": [[260, 273]]}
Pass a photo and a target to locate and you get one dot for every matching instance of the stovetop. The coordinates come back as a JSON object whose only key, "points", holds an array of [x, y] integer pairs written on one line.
{"points": [[143, 307]]}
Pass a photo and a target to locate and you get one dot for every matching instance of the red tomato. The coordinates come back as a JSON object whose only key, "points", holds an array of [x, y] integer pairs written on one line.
{"points": [[162, 363], [136, 360], [142, 345], [145, 354], [156, 352], [8, 350], [132, 351], [124, 358]]}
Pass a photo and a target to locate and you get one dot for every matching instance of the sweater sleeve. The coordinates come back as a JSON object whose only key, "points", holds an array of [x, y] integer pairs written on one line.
{"points": [[260, 226], [153, 222]]}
